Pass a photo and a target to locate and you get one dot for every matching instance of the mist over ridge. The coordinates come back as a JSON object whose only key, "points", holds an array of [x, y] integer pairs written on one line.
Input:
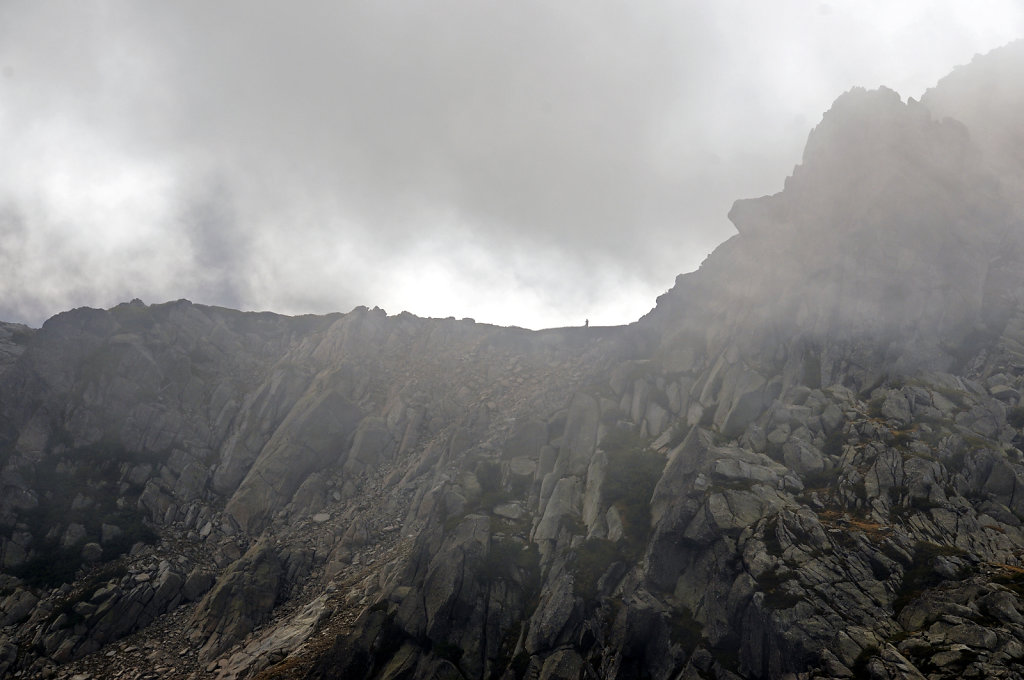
{"points": [[523, 164], [899, 219], [806, 461]]}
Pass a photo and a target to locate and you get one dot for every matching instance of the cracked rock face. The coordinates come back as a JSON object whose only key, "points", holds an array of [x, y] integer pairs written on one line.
{"points": [[807, 461]]}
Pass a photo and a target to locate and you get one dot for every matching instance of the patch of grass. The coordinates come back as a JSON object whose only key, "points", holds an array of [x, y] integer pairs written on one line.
{"points": [[1011, 577], [975, 441], [873, 529]]}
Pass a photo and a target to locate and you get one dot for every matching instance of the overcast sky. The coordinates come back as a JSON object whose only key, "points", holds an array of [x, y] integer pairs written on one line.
{"points": [[523, 163]]}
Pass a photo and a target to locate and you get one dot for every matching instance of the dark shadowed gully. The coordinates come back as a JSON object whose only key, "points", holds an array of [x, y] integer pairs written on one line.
{"points": [[805, 462]]}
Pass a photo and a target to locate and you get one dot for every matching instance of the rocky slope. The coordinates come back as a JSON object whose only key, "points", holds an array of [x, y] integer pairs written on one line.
{"points": [[806, 461]]}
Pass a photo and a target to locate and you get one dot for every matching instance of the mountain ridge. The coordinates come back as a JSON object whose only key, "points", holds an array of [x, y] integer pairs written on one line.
{"points": [[805, 461]]}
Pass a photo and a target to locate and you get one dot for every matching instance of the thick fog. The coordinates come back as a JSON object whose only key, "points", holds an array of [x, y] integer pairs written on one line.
{"points": [[528, 163]]}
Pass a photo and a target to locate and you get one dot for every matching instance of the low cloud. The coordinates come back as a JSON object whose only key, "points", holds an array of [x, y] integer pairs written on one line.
{"points": [[523, 163]]}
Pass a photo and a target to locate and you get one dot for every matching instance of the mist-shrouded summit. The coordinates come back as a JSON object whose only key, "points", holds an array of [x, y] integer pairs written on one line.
{"points": [[807, 461], [901, 221], [517, 163]]}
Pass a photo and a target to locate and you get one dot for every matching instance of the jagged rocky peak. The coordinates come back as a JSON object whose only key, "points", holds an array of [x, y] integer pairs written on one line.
{"points": [[985, 95], [874, 163], [896, 219]]}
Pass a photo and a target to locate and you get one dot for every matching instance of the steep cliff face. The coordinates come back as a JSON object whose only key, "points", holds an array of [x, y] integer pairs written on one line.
{"points": [[805, 460], [149, 449]]}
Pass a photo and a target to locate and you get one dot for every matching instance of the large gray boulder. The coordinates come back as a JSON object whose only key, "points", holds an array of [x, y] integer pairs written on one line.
{"points": [[243, 598]]}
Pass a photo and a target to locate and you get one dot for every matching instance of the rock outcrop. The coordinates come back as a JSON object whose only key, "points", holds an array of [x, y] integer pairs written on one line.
{"points": [[807, 461]]}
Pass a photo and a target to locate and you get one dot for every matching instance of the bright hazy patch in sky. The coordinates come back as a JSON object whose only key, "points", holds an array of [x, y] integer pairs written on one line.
{"points": [[528, 163]]}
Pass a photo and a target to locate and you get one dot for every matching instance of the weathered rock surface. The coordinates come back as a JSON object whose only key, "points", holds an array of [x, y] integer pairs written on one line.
{"points": [[805, 462]]}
